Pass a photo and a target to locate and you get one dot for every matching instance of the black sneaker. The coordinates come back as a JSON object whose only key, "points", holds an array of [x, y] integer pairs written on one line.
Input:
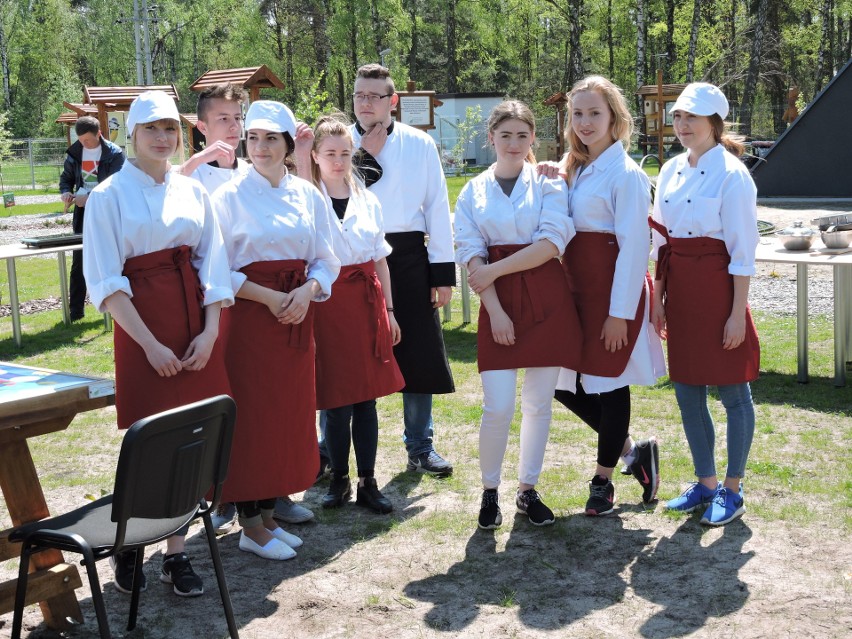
{"points": [[430, 463], [529, 503], [339, 492], [489, 512], [123, 564], [178, 571], [324, 467], [601, 496], [370, 497], [646, 468]]}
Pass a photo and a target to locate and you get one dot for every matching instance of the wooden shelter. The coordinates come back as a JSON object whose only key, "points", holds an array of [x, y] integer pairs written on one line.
{"points": [[657, 129], [119, 98], [191, 122], [560, 101], [253, 79]]}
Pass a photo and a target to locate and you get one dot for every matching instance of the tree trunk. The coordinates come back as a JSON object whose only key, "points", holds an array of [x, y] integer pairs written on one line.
{"points": [[322, 45], [824, 62], [412, 53], [377, 29], [671, 51], [4, 63], [753, 68], [609, 42], [353, 36], [640, 51], [732, 94], [575, 65], [452, 61], [693, 40]]}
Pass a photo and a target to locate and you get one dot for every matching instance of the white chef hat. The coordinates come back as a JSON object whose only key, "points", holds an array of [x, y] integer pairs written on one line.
{"points": [[702, 98], [270, 115], [151, 106]]}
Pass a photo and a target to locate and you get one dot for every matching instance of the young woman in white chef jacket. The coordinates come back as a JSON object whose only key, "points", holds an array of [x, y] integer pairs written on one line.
{"points": [[355, 329], [705, 238], [606, 264], [510, 226], [155, 260], [277, 233]]}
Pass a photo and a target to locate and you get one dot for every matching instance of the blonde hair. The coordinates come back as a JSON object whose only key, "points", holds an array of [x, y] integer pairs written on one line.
{"points": [[621, 127], [512, 110], [328, 126], [178, 149], [732, 143]]}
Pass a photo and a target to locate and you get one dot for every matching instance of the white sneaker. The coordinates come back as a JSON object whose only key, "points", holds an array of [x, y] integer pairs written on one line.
{"points": [[287, 538], [289, 512], [274, 549]]}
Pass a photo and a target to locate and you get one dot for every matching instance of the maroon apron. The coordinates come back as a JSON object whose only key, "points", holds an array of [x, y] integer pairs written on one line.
{"points": [[271, 368], [698, 296], [547, 329], [355, 359], [168, 297], [589, 264]]}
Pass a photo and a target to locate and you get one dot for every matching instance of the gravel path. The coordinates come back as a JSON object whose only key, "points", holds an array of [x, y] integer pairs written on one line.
{"points": [[773, 289]]}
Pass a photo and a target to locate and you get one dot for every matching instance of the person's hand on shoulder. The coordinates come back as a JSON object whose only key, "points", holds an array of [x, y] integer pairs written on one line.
{"points": [[549, 170]]}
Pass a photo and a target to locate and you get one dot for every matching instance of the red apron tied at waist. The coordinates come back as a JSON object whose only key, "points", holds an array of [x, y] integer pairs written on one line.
{"points": [[284, 276], [366, 275]]}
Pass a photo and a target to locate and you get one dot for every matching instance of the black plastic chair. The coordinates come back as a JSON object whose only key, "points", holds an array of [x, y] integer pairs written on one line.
{"points": [[168, 463]]}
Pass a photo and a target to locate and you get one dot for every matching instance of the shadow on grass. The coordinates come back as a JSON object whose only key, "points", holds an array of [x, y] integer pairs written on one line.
{"points": [[819, 394], [53, 338], [460, 342]]}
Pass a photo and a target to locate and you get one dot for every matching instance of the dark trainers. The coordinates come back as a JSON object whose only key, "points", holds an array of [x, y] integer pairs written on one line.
{"points": [[178, 571], [529, 503], [370, 497], [601, 496], [430, 463], [122, 564], [339, 492], [324, 467], [489, 512], [646, 468]]}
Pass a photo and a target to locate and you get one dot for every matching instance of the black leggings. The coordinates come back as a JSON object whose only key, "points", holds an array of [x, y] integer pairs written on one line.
{"points": [[364, 436], [608, 414], [249, 509]]}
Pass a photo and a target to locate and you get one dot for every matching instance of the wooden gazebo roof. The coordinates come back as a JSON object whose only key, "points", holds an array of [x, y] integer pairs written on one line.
{"points": [[668, 89], [251, 78], [123, 96], [81, 109], [69, 118]]}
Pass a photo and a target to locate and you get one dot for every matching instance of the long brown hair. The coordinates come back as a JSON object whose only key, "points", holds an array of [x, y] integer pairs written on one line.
{"points": [[512, 110], [732, 143], [332, 125], [621, 127]]}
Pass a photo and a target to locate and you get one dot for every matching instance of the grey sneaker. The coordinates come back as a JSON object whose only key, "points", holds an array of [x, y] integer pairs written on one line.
{"points": [[289, 512], [224, 517], [430, 463]]}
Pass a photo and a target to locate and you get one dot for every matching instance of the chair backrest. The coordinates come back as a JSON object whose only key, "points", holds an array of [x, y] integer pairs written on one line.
{"points": [[170, 461]]}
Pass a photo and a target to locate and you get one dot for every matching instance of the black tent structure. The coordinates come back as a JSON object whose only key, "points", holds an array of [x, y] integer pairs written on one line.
{"points": [[813, 157]]}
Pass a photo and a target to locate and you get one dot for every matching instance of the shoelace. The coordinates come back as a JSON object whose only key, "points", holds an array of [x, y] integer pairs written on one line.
{"points": [[598, 491], [720, 497], [489, 498], [530, 496]]}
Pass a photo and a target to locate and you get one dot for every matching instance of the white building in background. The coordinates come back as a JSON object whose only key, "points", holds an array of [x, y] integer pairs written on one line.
{"points": [[450, 113]]}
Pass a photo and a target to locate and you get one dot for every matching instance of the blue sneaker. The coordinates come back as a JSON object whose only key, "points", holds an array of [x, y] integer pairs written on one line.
{"points": [[725, 507], [695, 496]]}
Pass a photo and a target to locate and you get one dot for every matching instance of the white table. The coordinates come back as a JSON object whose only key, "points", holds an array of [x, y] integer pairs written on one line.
{"points": [[771, 250]]}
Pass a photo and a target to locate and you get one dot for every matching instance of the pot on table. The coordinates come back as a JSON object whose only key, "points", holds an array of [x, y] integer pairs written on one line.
{"points": [[797, 237]]}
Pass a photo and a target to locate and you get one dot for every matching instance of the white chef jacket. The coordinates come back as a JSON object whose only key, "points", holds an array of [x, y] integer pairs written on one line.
{"points": [[359, 237], [261, 223], [537, 209], [613, 195], [129, 214], [717, 198], [412, 189], [212, 177]]}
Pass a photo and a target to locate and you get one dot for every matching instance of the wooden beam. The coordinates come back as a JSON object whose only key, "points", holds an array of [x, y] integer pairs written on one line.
{"points": [[62, 579]]}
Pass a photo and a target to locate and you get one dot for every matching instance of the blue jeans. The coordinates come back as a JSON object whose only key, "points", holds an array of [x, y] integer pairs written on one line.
{"points": [[417, 417], [700, 430]]}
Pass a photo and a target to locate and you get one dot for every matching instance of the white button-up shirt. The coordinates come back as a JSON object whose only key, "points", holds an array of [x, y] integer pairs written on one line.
{"points": [[212, 177], [537, 209], [359, 237], [129, 214], [717, 198], [412, 190], [261, 223], [613, 195]]}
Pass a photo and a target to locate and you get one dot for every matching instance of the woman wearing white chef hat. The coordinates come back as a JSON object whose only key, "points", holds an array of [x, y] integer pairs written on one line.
{"points": [[277, 231], [705, 237], [150, 232]]}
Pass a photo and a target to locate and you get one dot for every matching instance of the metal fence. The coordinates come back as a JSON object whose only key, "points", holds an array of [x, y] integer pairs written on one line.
{"points": [[33, 163]]}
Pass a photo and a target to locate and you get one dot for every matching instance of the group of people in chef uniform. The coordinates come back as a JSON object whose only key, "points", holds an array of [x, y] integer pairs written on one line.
{"points": [[310, 279]]}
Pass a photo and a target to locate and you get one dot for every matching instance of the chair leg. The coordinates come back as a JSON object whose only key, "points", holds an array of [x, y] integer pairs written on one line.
{"points": [[134, 591], [97, 595], [21, 591], [220, 576]]}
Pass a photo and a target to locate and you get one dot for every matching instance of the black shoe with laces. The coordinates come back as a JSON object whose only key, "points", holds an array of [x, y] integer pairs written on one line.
{"points": [[339, 491], [178, 571], [529, 503], [646, 468], [370, 497], [489, 512], [123, 564], [430, 463], [601, 496]]}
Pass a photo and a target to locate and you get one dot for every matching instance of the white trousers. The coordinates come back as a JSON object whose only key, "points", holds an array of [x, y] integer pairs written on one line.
{"points": [[498, 407]]}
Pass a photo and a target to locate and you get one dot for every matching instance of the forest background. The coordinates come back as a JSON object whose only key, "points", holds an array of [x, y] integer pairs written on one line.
{"points": [[529, 49]]}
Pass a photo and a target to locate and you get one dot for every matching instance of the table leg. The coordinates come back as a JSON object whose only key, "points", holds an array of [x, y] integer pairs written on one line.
{"points": [[802, 322], [63, 287], [13, 300], [465, 293], [25, 502], [840, 312]]}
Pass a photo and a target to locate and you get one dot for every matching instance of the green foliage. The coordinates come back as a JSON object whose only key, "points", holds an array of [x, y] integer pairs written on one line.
{"points": [[465, 133], [312, 102]]}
